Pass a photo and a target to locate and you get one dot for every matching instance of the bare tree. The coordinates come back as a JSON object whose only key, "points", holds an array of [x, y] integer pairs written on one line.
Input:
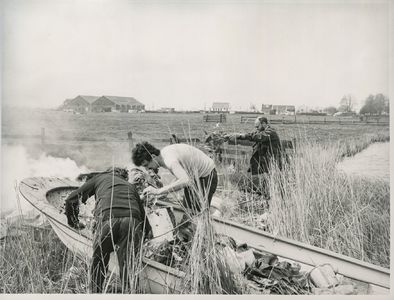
{"points": [[347, 103]]}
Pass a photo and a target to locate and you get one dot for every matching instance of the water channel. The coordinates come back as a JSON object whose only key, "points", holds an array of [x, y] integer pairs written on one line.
{"points": [[373, 161]]}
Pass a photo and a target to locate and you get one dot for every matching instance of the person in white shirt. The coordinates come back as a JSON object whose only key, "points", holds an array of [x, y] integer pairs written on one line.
{"points": [[194, 171]]}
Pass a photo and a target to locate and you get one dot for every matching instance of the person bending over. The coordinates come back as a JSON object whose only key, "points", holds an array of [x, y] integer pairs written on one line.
{"points": [[194, 172], [119, 223]]}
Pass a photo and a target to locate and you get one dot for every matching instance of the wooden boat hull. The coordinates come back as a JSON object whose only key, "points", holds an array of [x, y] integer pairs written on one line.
{"points": [[48, 195]]}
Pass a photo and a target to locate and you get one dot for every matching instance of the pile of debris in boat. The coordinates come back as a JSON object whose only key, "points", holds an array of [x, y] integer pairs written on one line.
{"points": [[266, 273]]}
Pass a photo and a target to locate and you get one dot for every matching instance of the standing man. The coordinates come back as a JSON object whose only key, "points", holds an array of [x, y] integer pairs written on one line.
{"points": [[194, 171], [267, 149], [120, 222]]}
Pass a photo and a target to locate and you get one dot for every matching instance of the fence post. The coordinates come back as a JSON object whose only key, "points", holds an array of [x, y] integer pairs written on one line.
{"points": [[283, 120], [130, 138], [295, 145], [42, 136], [324, 120], [295, 119]]}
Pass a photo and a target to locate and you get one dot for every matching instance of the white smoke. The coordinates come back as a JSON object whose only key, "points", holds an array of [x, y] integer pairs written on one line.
{"points": [[16, 165]]}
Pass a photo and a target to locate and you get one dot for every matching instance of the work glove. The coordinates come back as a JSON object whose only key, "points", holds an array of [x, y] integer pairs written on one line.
{"points": [[72, 212]]}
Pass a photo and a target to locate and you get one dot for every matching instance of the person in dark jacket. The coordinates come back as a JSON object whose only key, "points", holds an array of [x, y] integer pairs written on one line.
{"points": [[120, 223], [267, 149]]}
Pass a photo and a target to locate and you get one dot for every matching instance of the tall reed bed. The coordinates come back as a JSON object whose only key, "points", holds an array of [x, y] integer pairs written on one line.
{"points": [[206, 267], [312, 202], [37, 262]]}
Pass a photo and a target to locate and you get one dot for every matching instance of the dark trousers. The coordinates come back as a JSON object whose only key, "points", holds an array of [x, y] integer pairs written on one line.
{"points": [[262, 165], [192, 194], [122, 235]]}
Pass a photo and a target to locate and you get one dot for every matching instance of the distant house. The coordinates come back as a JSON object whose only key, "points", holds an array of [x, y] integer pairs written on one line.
{"points": [[266, 108], [284, 109], [278, 109], [117, 104], [220, 107], [81, 103]]}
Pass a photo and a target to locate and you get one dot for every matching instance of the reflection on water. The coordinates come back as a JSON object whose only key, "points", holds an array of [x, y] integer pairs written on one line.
{"points": [[373, 161]]}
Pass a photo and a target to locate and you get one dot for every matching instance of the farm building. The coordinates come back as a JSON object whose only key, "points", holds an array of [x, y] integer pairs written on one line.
{"points": [[266, 108], [220, 106], [278, 109], [117, 104], [81, 103]]}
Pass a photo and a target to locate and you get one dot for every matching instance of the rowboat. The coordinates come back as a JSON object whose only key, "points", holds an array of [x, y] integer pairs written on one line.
{"points": [[47, 195]]}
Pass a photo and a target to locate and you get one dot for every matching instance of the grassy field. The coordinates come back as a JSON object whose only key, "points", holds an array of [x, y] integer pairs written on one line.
{"points": [[310, 201], [97, 139]]}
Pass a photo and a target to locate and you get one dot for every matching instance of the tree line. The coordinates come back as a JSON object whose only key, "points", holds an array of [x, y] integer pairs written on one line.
{"points": [[373, 105]]}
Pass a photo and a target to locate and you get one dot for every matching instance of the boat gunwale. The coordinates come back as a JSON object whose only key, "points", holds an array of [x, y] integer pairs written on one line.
{"points": [[288, 241]]}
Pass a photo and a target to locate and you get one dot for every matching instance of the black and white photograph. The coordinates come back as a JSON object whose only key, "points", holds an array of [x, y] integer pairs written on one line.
{"points": [[196, 148]]}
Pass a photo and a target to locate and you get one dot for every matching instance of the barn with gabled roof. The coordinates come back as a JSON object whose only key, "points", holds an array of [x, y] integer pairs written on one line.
{"points": [[81, 103], [117, 104]]}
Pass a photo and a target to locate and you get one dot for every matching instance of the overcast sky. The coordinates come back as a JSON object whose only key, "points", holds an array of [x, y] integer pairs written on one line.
{"points": [[187, 55]]}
